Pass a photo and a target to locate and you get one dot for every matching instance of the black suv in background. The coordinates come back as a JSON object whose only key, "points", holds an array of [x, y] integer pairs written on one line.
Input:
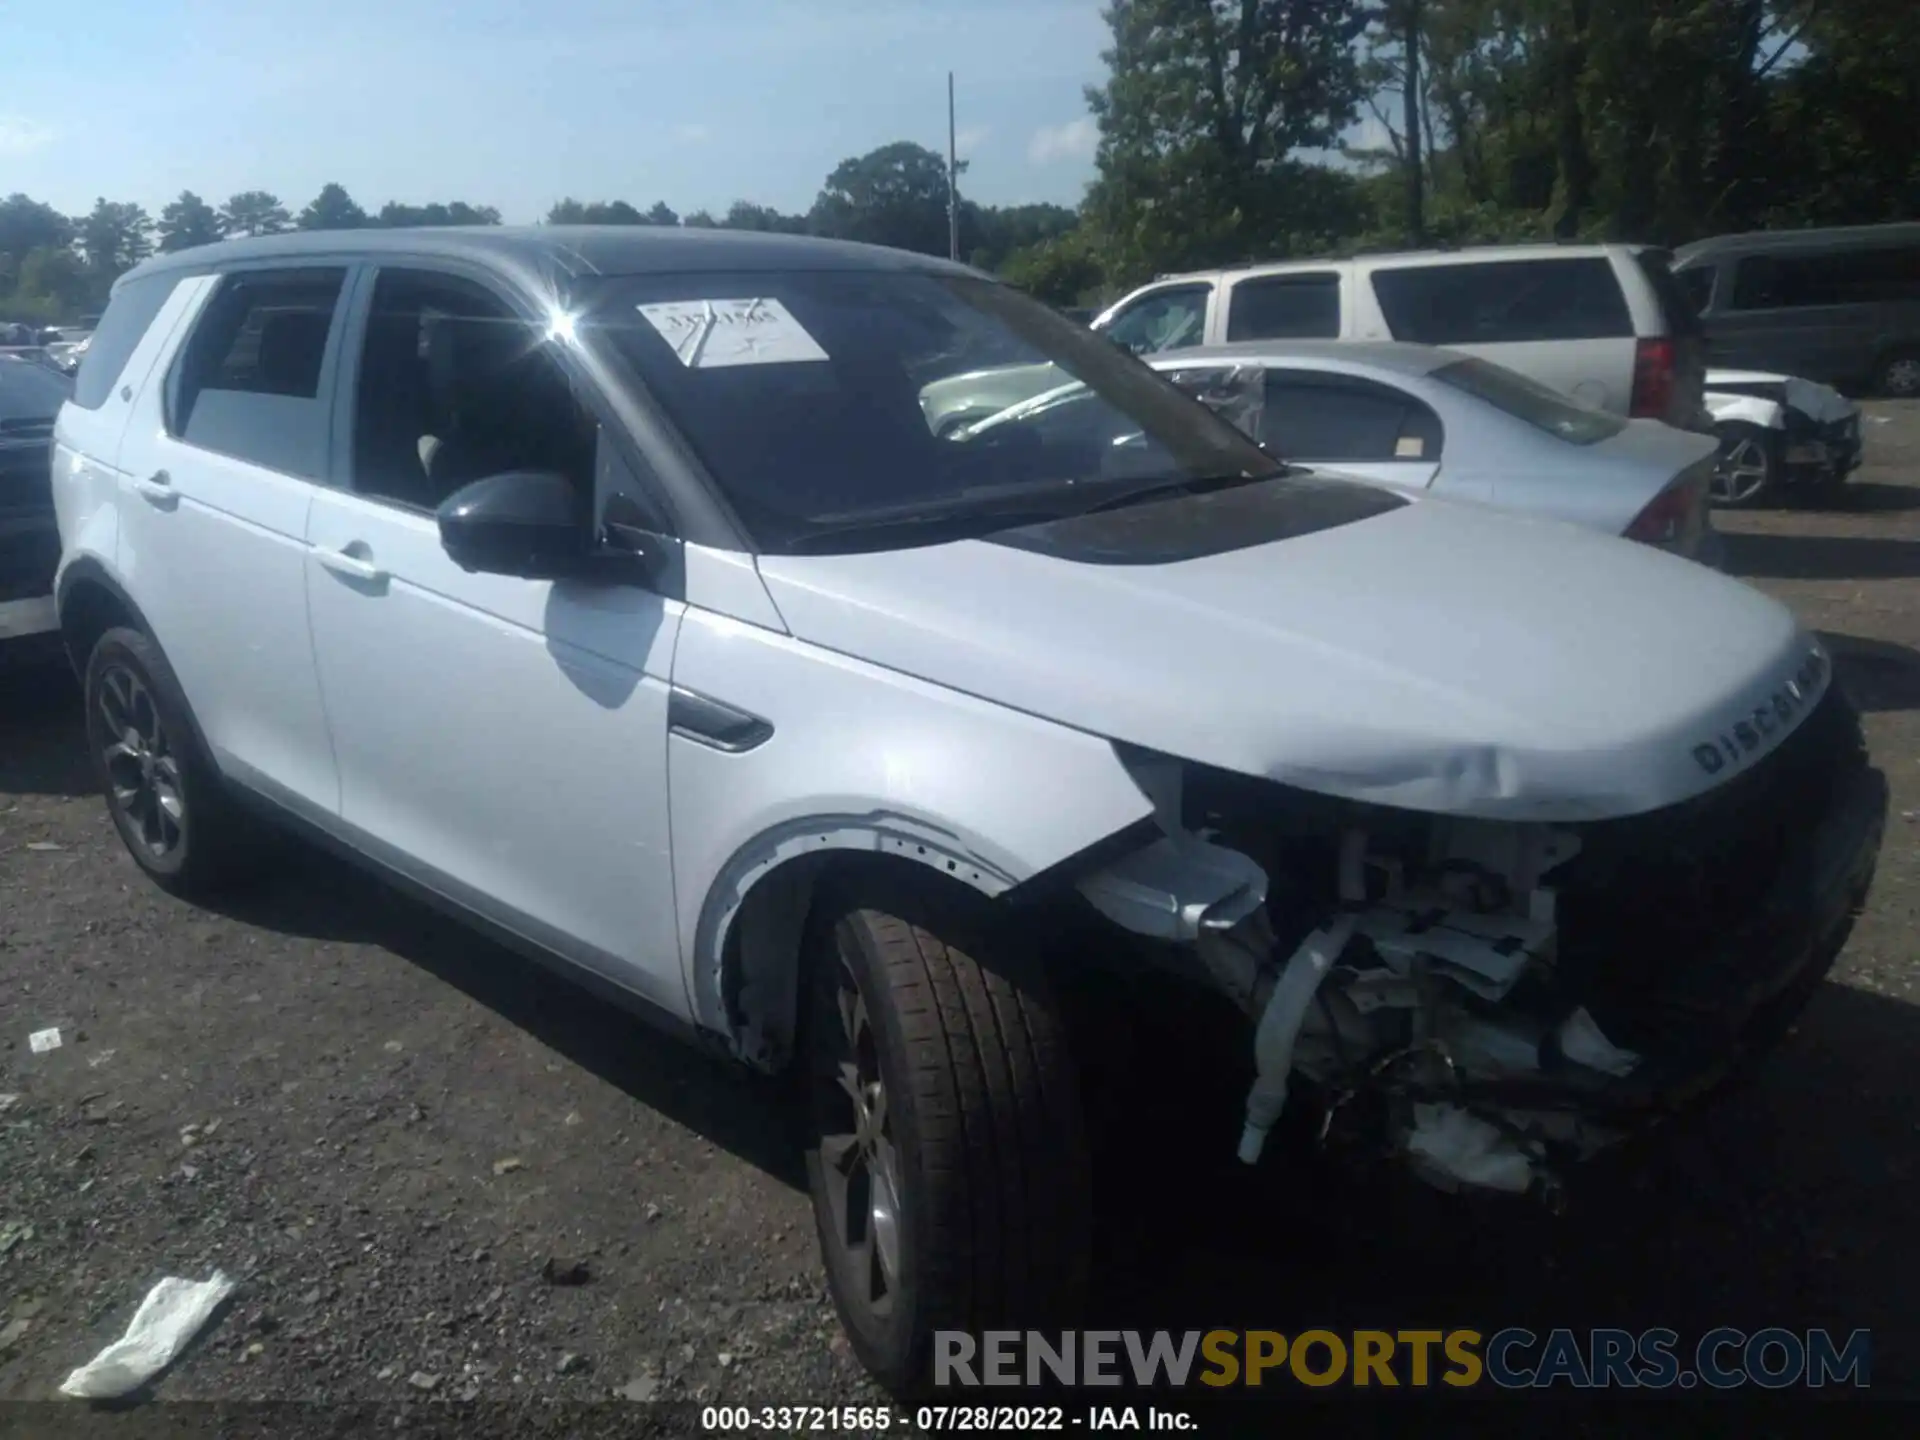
{"points": [[31, 394]]}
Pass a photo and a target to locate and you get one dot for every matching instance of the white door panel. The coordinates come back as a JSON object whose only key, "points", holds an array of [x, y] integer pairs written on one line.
{"points": [[1598, 372], [503, 738], [214, 547]]}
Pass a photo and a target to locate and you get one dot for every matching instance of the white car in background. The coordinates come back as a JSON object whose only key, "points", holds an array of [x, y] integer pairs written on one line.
{"points": [[1423, 419], [1778, 432]]}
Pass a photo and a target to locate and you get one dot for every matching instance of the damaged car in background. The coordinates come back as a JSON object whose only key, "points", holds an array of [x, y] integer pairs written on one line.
{"points": [[1780, 432], [851, 745]]}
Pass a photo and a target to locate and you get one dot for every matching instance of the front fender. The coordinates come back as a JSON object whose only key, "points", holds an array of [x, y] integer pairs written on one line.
{"points": [[853, 757], [1746, 410]]}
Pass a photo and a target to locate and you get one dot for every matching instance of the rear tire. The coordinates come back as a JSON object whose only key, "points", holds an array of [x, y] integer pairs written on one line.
{"points": [[947, 1150], [1748, 471], [167, 802], [1899, 375]]}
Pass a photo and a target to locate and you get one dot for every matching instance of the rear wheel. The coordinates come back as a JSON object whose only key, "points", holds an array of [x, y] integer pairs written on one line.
{"points": [[1748, 470], [948, 1159], [167, 801]]}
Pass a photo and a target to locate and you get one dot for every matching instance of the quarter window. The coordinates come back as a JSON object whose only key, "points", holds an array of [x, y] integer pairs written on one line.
{"points": [[248, 383], [1503, 302], [129, 313], [1881, 275]]}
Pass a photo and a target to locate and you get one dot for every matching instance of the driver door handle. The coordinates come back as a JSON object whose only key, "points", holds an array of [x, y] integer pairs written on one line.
{"points": [[343, 562], [158, 489]]}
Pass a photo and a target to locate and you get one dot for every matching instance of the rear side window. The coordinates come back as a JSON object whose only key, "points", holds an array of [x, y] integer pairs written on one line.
{"points": [[1504, 302], [248, 382], [129, 313], [1527, 399], [1285, 307], [1312, 417], [1879, 275], [1696, 286]]}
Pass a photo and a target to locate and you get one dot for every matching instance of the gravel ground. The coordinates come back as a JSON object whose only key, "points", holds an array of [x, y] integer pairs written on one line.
{"points": [[386, 1128]]}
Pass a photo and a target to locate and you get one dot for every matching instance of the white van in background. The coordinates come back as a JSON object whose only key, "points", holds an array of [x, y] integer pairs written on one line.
{"points": [[1603, 323]]}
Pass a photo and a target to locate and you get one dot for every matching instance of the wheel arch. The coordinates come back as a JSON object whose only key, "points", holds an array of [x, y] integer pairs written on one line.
{"points": [[750, 944]]}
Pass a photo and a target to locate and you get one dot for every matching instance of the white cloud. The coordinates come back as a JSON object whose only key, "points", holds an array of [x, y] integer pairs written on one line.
{"points": [[19, 135], [690, 134], [1075, 140], [969, 138]]}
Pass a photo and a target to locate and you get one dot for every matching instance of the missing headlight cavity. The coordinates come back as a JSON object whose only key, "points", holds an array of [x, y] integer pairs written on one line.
{"points": [[1484, 1000]]}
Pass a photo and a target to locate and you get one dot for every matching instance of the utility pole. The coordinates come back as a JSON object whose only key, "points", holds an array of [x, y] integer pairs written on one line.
{"points": [[953, 179]]}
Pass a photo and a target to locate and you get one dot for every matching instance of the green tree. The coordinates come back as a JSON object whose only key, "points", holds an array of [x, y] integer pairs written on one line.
{"points": [[332, 209], [895, 195], [700, 220], [1064, 270], [595, 212], [662, 214], [187, 222], [51, 283], [745, 215], [26, 225], [1205, 103], [114, 237], [395, 215], [254, 212]]}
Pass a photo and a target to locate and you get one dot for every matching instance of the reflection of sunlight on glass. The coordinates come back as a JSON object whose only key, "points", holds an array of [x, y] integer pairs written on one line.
{"points": [[561, 327]]}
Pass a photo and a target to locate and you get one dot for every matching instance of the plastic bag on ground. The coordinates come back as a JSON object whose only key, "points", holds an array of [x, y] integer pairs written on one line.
{"points": [[167, 1319]]}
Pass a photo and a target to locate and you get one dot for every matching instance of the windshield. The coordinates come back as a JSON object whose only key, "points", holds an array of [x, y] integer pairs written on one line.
{"points": [[30, 391], [1527, 399], [822, 399]]}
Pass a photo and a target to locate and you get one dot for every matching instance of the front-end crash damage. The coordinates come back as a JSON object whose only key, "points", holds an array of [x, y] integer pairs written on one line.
{"points": [[1494, 1001]]}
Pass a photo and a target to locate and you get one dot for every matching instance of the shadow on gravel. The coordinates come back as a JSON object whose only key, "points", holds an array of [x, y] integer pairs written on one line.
{"points": [[1871, 496], [1820, 557], [324, 898], [43, 748], [1785, 1202], [1878, 675]]}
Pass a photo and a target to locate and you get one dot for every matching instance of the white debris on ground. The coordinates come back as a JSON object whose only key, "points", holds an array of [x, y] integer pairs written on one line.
{"points": [[167, 1319]]}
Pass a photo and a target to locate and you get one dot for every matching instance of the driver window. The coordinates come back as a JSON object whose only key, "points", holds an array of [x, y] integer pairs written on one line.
{"points": [[1165, 320], [453, 388]]}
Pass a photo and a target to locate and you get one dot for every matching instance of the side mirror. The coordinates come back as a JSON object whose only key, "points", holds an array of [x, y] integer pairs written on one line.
{"points": [[523, 522]]}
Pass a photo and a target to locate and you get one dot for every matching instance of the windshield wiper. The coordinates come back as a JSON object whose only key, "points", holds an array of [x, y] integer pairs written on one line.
{"points": [[1183, 485], [934, 525]]}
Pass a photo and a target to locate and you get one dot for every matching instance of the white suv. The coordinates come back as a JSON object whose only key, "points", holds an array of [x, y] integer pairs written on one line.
{"points": [[612, 588], [1607, 324]]}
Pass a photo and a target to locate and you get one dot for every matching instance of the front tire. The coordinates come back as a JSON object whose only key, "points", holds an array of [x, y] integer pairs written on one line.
{"points": [[1748, 471], [948, 1157], [167, 802], [1899, 376]]}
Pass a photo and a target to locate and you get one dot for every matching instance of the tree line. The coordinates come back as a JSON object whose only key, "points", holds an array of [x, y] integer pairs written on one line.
{"points": [[1496, 120], [56, 267]]}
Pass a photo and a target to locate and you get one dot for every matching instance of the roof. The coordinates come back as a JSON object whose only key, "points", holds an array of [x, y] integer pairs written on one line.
{"points": [[1397, 356], [575, 249], [1465, 254], [1763, 241]]}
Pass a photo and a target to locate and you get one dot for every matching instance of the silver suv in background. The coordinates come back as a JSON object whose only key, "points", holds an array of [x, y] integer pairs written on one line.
{"points": [[1604, 323], [1840, 306]]}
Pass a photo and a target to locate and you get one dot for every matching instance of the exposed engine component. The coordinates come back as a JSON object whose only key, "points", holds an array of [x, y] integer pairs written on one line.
{"points": [[1423, 982]]}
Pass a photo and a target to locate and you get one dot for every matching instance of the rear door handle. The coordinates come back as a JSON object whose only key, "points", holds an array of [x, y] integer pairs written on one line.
{"points": [[158, 489], [343, 562]]}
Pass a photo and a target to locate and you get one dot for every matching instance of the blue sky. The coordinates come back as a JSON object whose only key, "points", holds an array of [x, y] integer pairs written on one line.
{"points": [[517, 103]]}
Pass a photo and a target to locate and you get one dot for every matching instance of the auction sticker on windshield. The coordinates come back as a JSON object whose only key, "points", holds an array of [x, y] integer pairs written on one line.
{"points": [[711, 334]]}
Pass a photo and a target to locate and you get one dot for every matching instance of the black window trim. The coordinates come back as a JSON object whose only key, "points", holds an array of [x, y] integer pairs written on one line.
{"points": [[1334, 273], [1361, 384], [329, 361]]}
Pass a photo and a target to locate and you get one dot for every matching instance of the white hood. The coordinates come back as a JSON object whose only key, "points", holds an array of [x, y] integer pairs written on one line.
{"points": [[1438, 657]]}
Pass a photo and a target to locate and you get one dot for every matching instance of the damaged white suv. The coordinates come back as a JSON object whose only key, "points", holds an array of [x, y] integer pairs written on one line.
{"points": [[612, 588]]}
